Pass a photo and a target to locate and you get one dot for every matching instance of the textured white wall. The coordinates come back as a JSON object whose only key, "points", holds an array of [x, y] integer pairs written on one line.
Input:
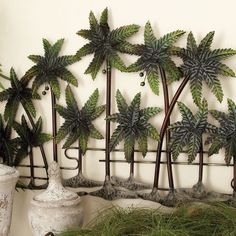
{"points": [[24, 23]]}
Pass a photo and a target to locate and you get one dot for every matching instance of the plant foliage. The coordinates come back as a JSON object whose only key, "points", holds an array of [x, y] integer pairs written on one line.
{"points": [[156, 53], [29, 138], [8, 146], [132, 125], [51, 67], [17, 94], [225, 137], [188, 132], [78, 123], [187, 220], [105, 43], [201, 64]]}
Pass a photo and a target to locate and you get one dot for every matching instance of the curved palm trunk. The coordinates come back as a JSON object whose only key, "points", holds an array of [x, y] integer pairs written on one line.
{"points": [[167, 104], [54, 125], [41, 146], [163, 130]]}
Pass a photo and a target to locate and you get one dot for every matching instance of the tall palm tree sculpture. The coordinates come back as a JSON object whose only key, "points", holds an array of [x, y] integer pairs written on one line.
{"points": [[200, 64], [132, 126], [30, 138], [18, 94], [188, 133], [48, 69], [105, 45], [225, 137], [155, 61], [78, 126]]}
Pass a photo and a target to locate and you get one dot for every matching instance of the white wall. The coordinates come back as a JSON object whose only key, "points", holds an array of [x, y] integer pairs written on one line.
{"points": [[24, 23]]}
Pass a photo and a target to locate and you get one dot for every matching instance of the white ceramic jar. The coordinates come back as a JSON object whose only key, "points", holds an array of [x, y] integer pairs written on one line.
{"points": [[56, 209], [8, 179]]}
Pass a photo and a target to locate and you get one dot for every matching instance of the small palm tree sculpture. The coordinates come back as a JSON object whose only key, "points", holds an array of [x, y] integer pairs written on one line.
{"points": [[188, 133], [105, 44], [156, 61], [48, 70], [225, 137], [8, 146], [200, 64], [78, 126], [18, 94], [132, 126], [30, 138], [155, 54]]}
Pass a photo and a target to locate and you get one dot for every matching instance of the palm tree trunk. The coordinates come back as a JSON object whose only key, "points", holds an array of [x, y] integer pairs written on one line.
{"points": [[31, 167], [131, 171], [167, 104], [108, 112], [234, 179], [80, 167], [200, 174], [41, 146], [54, 125], [163, 130]]}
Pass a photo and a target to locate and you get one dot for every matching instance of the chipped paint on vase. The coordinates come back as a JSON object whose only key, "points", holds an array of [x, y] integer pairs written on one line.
{"points": [[8, 179], [56, 209]]}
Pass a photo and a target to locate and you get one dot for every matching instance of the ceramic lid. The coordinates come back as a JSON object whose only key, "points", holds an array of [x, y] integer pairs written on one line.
{"points": [[56, 195], [6, 170]]}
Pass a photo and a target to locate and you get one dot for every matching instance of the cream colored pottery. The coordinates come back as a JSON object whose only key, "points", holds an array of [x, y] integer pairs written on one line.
{"points": [[56, 209], [8, 179]]}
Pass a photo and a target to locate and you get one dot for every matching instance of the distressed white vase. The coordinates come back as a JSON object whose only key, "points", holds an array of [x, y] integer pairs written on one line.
{"points": [[56, 209], [8, 179]]}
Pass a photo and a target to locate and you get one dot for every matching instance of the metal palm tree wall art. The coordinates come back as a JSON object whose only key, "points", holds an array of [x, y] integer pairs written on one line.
{"points": [[78, 126], [200, 65]]}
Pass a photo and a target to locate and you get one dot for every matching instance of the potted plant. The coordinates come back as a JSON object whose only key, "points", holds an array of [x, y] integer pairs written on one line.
{"points": [[78, 127]]}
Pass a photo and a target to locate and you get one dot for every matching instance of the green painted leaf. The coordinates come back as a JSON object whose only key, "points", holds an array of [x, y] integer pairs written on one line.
{"points": [[95, 65], [85, 50], [149, 37], [191, 43], [54, 84], [142, 144], [120, 34], [87, 34], [206, 42], [116, 138], [128, 148], [225, 70], [153, 81], [56, 48], [196, 90], [83, 142]]}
